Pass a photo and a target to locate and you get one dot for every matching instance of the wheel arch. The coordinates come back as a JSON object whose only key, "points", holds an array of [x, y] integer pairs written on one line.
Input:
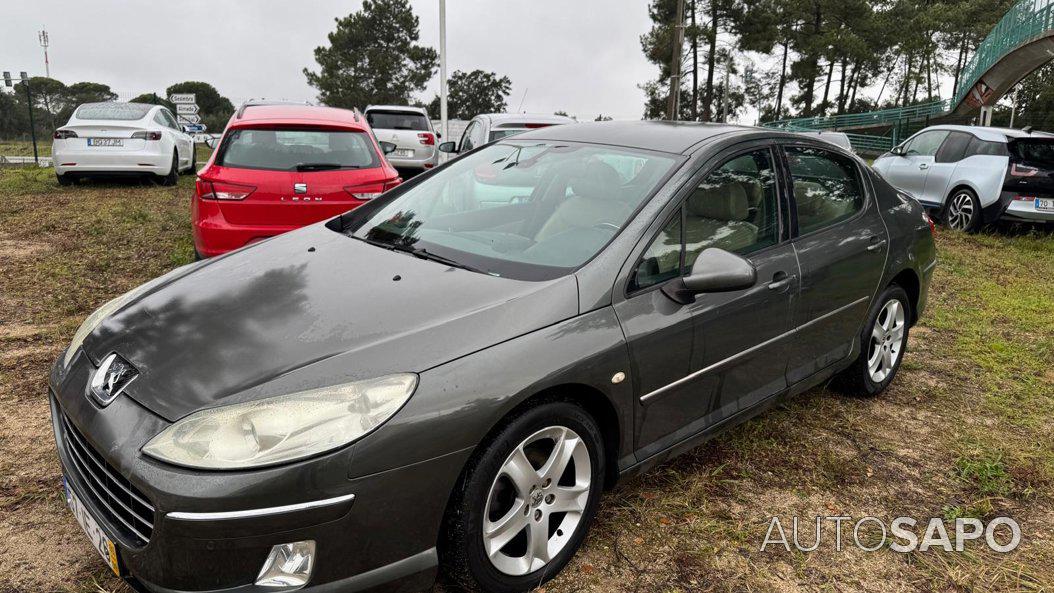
{"points": [[909, 280], [956, 187]]}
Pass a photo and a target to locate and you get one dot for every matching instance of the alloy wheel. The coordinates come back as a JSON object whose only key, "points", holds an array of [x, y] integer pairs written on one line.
{"points": [[961, 211], [537, 501], [887, 341]]}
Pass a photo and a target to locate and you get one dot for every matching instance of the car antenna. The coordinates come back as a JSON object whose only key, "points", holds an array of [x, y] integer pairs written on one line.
{"points": [[1027, 130]]}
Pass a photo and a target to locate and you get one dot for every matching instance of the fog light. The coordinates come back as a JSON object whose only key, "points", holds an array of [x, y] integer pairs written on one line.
{"points": [[288, 566]]}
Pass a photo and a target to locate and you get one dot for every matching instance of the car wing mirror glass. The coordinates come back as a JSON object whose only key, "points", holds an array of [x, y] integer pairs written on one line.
{"points": [[448, 147], [388, 147], [897, 151], [716, 270]]}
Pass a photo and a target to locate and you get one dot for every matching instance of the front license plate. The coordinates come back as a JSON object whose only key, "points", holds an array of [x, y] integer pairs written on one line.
{"points": [[105, 142], [91, 528], [1046, 204], [403, 153]]}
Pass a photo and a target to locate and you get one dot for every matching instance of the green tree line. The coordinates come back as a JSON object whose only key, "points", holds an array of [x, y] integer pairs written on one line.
{"points": [[817, 57], [54, 103]]}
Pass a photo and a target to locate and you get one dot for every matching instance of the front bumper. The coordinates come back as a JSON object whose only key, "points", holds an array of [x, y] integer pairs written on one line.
{"points": [[383, 537]]}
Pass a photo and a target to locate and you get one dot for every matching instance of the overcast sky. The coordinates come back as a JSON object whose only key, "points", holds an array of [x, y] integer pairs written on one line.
{"points": [[580, 56]]}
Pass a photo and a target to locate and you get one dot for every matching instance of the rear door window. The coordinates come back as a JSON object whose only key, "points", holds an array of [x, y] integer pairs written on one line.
{"points": [[954, 148], [980, 147], [827, 187], [397, 120], [297, 150]]}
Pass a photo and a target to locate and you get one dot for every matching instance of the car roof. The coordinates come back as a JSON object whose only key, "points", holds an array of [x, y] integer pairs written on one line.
{"points": [[403, 108], [296, 113], [661, 136], [990, 134]]}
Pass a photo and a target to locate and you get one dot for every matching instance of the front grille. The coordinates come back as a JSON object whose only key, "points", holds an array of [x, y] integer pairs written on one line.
{"points": [[124, 505]]}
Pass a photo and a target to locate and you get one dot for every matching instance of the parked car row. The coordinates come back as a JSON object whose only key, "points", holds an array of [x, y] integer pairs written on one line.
{"points": [[975, 176], [448, 376]]}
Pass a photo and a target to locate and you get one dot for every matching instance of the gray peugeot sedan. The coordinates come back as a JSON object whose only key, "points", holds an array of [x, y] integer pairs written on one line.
{"points": [[449, 376]]}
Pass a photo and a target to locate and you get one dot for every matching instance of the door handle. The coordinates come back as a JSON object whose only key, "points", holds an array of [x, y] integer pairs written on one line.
{"points": [[924, 166], [876, 244], [780, 281]]}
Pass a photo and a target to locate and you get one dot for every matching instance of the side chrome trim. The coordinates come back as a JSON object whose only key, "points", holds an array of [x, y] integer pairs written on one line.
{"points": [[303, 506], [649, 396]]}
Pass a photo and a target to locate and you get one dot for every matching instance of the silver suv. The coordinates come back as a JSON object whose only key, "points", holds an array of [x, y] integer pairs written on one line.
{"points": [[975, 176], [410, 130]]}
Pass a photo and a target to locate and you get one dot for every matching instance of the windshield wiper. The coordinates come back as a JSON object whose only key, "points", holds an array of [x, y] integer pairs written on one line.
{"points": [[322, 166], [422, 253]]}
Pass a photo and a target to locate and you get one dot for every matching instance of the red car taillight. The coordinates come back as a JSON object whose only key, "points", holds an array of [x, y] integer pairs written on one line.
{"points": [[64, 134], [369, 192], [218, 190], [1017, 170], [427, 139], [146, 135], [929, 220]]}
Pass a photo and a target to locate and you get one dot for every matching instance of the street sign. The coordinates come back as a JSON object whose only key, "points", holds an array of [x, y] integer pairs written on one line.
{"points": [[190, 119], [195, 128], [7, 78], [183, 98], [186, 109]]}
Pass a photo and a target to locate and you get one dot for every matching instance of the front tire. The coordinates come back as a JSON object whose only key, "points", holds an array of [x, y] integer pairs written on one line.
{"points": [[964, 211], [883, 342], [526, 500], [193, 168]]}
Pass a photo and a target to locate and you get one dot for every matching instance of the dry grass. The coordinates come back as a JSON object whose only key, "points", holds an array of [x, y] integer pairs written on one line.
{"points": [[965, 431]]}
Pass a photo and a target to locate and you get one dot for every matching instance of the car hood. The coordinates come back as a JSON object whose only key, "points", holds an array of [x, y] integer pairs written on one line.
{"points": [[309, 309]]}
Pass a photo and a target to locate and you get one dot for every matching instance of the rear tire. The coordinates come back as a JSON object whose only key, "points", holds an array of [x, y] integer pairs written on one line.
{"points": [[963, 212], [883, 342], [173, 173], [506, 534], [65, 179]]}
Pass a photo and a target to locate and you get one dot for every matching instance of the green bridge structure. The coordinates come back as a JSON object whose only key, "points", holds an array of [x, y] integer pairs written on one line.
{"points": [[1021, 43]]}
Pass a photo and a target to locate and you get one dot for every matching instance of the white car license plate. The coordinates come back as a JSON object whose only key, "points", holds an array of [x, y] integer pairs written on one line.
{"points": [[95, 534], [403, 153], [105, 142], [1045, 204]]}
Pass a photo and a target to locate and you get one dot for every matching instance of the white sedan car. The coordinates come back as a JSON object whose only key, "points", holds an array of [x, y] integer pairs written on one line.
{"points": [[120, 139]]}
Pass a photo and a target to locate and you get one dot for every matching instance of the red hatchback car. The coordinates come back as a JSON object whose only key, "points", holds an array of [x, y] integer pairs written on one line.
{"points": [[283, 166]]}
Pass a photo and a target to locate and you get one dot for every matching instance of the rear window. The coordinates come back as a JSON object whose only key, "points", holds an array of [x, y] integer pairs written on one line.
{"points": [[114, 111], [1034, 151], [986, 148], [397, 120], [499, 134], [297, 150]]}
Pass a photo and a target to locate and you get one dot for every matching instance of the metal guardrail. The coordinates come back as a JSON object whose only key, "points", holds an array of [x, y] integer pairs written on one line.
{"points": [[1027, 21], [871, 118]]}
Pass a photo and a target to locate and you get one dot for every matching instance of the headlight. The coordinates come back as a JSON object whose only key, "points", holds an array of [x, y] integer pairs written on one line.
{"points": [[108, 309], [282, 429]]}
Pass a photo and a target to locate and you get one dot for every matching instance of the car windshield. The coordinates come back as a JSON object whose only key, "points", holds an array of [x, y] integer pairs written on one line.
{"points": [[297, 150], [1039, 152], [114, 111], [397, 120], [531, 211]]}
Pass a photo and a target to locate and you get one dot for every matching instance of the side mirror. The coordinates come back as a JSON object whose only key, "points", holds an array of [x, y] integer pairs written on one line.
{"points": [[897, 151], [716, 270], [448, 147], [387, 147], [210, 141]]}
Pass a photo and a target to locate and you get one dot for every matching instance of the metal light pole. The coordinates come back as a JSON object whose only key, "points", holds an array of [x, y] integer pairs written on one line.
{"points": [[45, 42], [442, 71], [32, 125]]}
